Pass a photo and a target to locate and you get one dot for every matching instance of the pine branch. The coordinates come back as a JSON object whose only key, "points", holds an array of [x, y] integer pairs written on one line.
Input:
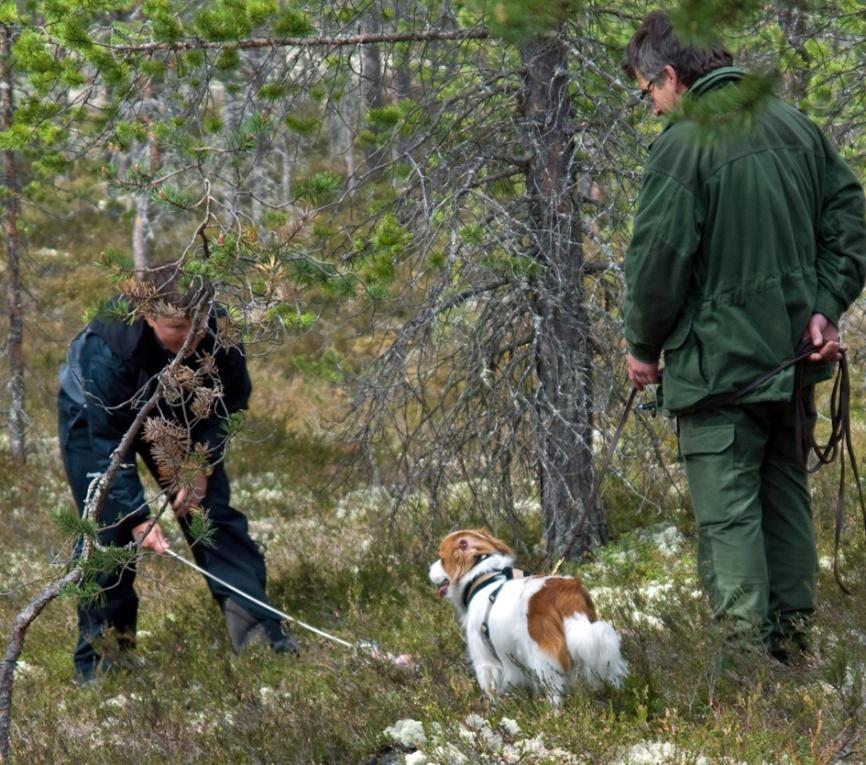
{"points": [[16, 644], [368, 38]]}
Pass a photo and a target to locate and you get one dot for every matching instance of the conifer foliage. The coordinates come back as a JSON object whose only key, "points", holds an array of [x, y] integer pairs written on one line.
{"points": [[454, 177]]}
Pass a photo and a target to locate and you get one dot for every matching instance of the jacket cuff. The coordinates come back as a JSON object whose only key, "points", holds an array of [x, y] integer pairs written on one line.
{"points": [[137, 518], [827, 306], [648, 354]]}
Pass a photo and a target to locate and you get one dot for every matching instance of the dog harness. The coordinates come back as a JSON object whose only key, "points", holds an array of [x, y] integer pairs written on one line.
{"points": [[500, 576]]}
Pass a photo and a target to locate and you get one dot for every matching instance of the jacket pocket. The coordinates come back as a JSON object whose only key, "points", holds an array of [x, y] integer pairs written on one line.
{"points": [[684, 380]]}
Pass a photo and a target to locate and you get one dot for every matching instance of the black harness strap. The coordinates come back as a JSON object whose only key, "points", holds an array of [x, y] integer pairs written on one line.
{"points": [[481, 582], [506, 574], [484, 580], [485, 628]]}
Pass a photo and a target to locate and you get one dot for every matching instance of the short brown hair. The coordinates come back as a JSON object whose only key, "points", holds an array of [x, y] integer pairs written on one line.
{"points": [[655, 45]]}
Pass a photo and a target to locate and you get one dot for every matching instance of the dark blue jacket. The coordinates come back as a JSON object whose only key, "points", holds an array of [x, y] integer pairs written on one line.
{"points": [[112, 370]]}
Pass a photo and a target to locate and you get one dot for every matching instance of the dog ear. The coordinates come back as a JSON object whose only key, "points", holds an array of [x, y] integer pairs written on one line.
{"points": [[500, 546], [462, 557], [487, 543]]}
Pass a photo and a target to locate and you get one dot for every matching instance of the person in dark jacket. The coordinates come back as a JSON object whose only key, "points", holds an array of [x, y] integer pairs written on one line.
{"points": [[112, 368], [744, 245]]}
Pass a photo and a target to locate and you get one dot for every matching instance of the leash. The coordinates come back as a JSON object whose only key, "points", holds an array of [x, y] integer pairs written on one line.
{"points": [[261, 604], [599, 477], [802, 352], [403, 660], [839, 440]]}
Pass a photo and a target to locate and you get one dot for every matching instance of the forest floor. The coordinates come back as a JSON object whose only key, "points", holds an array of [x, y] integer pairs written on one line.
{"points": [[330, 564], [339, 559]]}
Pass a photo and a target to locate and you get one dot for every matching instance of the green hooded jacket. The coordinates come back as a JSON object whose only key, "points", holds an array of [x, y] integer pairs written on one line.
{"points": [[737, 241]]}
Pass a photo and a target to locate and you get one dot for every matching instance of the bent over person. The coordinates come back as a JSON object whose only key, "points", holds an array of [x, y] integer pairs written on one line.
{"points": [[744, 246], [112, 368]]}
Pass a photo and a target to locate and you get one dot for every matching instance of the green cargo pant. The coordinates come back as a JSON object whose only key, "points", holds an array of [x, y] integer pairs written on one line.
{"points": [[756, 542]]}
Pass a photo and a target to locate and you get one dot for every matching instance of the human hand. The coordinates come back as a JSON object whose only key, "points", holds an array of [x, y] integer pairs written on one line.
{"points": [[824, 335], [642, 374], [149, 536], [190, 496]]}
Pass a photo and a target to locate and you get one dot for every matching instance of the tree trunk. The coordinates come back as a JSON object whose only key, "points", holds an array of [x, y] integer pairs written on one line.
{"points": [[562, 350], [371, 88], [795, 26], [11, 205], [142, 235], [142, 229], [402, 76]]}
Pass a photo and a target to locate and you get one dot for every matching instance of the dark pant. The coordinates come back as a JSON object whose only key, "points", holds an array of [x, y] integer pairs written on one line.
{"points": [[233, 557], [756, 544]]}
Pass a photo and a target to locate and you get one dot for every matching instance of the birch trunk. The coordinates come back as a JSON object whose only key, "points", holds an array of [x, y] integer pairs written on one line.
{"points": [[11, 206]]}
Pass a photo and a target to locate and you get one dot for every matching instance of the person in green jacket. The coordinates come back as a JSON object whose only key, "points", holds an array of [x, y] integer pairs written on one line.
{"points": [[749, 238]]}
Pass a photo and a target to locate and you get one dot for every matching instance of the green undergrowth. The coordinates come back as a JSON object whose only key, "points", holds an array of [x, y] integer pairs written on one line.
{"points": [[340, 559], [331, 564]]}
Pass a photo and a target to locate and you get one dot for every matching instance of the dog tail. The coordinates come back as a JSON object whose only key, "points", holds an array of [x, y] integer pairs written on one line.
{"points": [[594, 647]]}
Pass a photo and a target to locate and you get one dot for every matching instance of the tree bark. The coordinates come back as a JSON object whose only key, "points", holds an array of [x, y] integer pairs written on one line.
{"points": [[11, 206], [16, 646], [562, 349], [371, 87], [141, 235], [142, 227], [402, 75]]}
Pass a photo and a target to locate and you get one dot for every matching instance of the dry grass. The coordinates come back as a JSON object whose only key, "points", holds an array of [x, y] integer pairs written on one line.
{"points": [[335, 561]]}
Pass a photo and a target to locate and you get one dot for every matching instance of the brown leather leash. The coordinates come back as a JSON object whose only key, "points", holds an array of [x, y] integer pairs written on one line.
{"points": [[839, 440]]}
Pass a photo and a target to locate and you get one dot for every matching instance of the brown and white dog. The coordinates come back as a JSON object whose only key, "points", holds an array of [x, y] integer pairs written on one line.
{"points": [[538, 632]]}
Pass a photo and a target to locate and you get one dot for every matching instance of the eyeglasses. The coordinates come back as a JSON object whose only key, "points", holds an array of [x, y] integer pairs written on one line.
{"points": [[644, 92]]}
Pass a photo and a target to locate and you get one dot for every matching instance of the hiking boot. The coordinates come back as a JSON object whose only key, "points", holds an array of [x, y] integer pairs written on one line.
{"points": [[286, 643], [108, 652], [84, 676], [245, 630]]}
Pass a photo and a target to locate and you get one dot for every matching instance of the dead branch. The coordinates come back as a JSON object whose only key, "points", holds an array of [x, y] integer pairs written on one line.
{"points": [[96, 500], [16, 644]]}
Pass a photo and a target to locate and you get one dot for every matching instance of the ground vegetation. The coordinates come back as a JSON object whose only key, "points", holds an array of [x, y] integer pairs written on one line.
{"points": [[416, 213]]}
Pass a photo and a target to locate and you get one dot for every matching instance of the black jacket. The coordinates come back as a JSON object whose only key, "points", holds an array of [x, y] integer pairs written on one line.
{"points": [[112, 370]]}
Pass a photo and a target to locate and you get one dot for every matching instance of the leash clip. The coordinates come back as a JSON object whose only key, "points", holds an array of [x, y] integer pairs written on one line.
{"points": [[649, 406]]}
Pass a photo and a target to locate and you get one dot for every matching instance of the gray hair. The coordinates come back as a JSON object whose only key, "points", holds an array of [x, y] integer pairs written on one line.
{"points": [[655, 45]]}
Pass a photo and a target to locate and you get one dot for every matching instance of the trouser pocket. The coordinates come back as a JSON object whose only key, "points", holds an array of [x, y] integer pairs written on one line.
{"points": [[708, 454]]}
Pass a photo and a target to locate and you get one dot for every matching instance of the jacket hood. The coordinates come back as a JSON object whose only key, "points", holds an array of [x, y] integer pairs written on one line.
{"points": [[131, 341]]}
